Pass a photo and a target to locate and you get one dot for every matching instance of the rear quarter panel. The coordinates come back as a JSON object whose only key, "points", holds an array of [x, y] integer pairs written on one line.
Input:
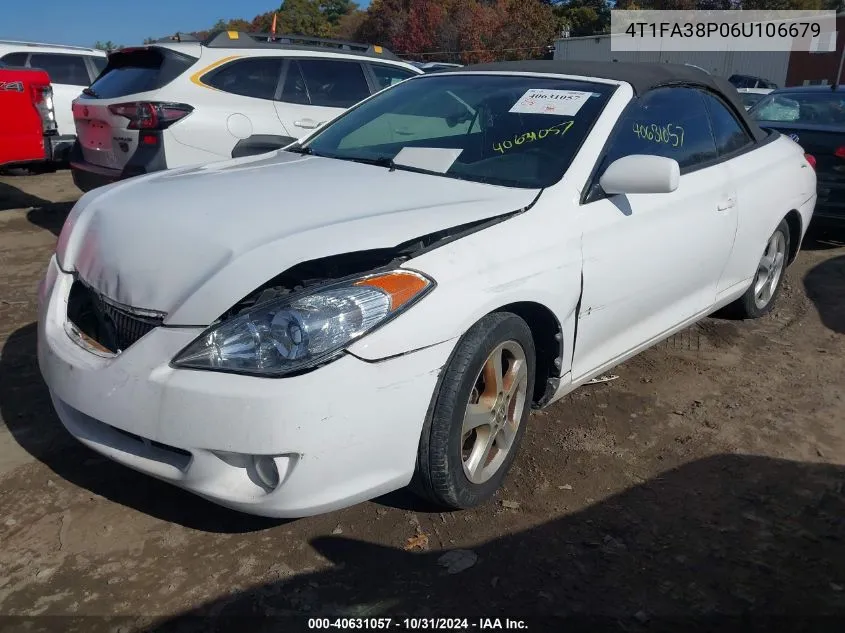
{"points": [[771, 181]]}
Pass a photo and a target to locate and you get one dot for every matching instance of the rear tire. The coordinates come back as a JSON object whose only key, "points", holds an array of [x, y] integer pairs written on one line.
{"points": [[477, 420], [761, 295]]}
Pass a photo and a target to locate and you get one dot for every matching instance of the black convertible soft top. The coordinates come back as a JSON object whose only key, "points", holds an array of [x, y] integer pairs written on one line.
{"points": [[641, 76]]}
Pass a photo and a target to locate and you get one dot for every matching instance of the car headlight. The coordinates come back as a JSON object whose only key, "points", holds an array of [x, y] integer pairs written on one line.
{"points": [[305, 329]]}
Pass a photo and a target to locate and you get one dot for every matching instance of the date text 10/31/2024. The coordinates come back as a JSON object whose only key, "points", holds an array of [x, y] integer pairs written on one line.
{"points": [[417, 624]]}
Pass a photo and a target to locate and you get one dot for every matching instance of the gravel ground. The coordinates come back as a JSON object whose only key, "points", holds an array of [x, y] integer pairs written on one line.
{"points": [[707, 481]]}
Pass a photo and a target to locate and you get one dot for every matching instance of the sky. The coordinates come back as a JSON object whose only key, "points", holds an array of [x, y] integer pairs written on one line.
{"points": [[84, 22]]}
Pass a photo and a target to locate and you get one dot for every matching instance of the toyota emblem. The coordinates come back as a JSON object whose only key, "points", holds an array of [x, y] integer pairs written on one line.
{"points": [[794, 137]]}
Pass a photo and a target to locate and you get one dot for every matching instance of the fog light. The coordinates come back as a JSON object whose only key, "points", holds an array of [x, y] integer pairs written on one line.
{"points": [[266, 471]]}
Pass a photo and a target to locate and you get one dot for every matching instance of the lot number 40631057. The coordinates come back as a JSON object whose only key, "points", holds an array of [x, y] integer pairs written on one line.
{"points": [[669, 134]]}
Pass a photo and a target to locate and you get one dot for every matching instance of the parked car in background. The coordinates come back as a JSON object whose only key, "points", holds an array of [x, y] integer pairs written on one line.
{"points": [[174, 104], [814, 117], [750, 81], [27, 117], [383, 302], [71, 68], [750, 96]]}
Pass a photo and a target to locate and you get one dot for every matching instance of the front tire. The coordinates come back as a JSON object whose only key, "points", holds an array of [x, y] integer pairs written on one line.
{"points": [[477, 421], [760, 297]]}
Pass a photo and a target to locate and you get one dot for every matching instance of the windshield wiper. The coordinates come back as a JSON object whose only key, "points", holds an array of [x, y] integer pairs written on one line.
{"points": [[307, 151], [381, 161], [90, 93]]}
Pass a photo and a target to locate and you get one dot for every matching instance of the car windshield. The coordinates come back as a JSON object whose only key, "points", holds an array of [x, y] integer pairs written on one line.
{"points": [[815, 108], [750, 98], [512, 131]]}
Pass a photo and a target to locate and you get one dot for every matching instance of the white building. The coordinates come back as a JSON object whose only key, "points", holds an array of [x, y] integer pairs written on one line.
{"points": [[768, 65]]}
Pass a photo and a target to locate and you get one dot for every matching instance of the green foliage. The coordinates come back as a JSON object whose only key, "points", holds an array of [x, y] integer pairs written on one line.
{"points": [[335, 10], [107, 46], [303, 17]]}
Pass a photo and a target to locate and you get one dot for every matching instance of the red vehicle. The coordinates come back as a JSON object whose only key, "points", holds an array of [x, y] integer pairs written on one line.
{"points": [[27, 117]]}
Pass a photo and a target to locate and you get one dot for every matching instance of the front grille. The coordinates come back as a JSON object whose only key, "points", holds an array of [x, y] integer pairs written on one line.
{"points": [[108, 324]]}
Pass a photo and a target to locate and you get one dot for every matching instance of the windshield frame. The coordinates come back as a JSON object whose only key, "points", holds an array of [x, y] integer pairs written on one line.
{"points": [[303, 145]]}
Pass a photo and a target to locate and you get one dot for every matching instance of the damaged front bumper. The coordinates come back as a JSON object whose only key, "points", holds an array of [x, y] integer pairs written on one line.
{"points": [[336, 436]]}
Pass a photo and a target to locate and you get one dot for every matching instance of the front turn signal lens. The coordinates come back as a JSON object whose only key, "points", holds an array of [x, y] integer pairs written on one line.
{"points": [[400, 286]]}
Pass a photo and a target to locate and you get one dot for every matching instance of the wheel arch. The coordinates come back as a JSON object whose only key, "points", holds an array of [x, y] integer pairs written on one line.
{"points": [[795, 224], [548, 343]]}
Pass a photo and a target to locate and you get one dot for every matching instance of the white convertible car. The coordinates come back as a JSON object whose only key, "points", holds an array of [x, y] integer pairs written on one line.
{"points": [[383, 303]]}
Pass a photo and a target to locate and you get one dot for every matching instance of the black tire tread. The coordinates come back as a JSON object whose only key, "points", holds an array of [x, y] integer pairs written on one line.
{"points": [[432, 479], [745, 307]]}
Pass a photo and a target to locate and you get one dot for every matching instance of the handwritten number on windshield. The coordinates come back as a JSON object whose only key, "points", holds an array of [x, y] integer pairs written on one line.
{"points": [[530, 137], [669, 134]]}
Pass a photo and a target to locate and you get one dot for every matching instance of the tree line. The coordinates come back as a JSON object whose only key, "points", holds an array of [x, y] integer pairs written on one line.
{"points": [[470, 31]]}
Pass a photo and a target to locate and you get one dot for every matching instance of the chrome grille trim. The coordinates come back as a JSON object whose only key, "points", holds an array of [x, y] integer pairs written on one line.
{"points": [[117, 326]]}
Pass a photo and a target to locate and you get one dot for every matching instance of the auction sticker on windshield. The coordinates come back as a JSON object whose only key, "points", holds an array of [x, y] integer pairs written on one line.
{"points": [[436, 159], [557, 102]]}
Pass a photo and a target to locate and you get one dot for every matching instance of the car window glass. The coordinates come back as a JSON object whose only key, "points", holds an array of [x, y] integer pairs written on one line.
{"points": [[727, 130], [387, 76], [100, 63], [510, 131], [257, 77], [15, 59], [294, 90], [435, 115], [824, 107], [334, 84], [63, 69], [749, 98], [670, 122]]}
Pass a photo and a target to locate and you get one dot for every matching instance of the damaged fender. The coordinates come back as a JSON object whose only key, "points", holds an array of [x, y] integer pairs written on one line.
{"points": [[485, 272]]}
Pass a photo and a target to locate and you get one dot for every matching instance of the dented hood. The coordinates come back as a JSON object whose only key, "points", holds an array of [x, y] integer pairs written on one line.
{"points": [[191, 242]]}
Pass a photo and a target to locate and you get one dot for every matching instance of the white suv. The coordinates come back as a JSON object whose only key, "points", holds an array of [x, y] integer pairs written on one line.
{"points": [[180, 103], [71, 68]]}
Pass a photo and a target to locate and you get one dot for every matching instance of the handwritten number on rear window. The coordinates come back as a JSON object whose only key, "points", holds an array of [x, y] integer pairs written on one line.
{"points": [[669, 134], [530, 137]]}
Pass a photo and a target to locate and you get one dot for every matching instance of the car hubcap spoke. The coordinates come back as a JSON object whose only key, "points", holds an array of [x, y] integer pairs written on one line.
{"points": [[506, 436], [494, 412], [493, 373], [770, 270], [516, 375], [480, 455], [477, 415]]}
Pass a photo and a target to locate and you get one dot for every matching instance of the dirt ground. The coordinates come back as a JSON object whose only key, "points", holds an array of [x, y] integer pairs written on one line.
{"points": [[707, 481]]}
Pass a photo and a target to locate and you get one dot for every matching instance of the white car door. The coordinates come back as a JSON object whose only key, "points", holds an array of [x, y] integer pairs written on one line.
{"points": [[653, 261], [69, 77], [240, 106], [757, 200], [315, 91]]}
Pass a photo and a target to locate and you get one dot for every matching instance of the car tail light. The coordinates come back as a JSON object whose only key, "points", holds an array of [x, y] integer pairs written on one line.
{"points": [[42, 99], [147, 115], [810, 159], [840, 152]]}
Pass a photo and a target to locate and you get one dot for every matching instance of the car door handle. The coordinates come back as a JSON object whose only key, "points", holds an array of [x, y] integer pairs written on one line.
{"points": [[727, 203], [308, 124]]}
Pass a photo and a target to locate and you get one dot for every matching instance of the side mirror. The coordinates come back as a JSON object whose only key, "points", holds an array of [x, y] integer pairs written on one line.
{"points": [[641, 173]]}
